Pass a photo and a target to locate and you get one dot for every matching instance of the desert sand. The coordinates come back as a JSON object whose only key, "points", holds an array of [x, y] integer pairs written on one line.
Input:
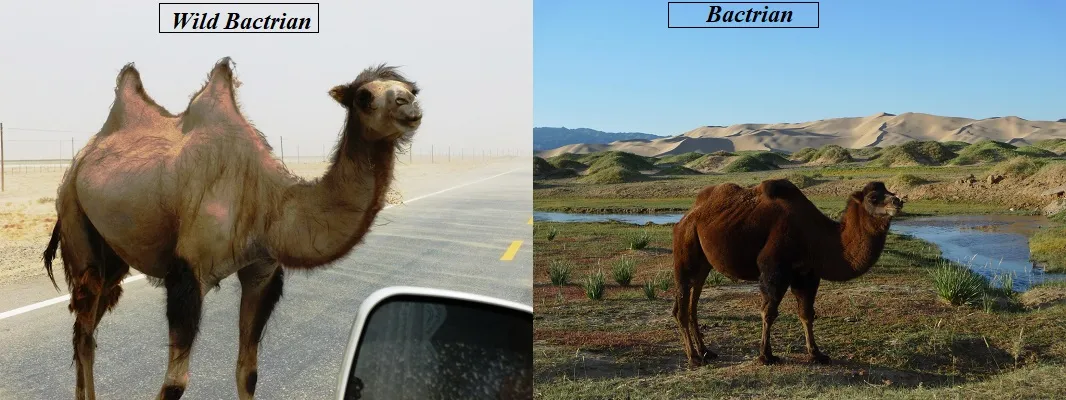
{"points": [[27, 206], [875, 130]]}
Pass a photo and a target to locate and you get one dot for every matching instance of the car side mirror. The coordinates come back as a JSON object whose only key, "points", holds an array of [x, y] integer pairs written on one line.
{"points": [[421, 343]]}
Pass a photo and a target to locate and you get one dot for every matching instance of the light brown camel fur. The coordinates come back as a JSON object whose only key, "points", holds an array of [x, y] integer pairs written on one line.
{"points": [[773, 234], [190, 199]]}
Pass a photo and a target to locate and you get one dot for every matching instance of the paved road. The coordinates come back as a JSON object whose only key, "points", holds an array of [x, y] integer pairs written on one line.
{"points": [[452, 240]]}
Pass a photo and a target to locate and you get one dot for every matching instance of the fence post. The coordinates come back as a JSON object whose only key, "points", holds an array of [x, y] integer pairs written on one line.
{"points": [[282, 149], [1, 157], [431, 154]]}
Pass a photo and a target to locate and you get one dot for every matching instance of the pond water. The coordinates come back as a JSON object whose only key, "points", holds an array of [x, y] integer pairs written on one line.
{"points": [[988, 244]]}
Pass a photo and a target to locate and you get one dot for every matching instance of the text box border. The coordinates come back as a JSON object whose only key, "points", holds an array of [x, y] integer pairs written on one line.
{"points": [[818, 3], [318, 16]]}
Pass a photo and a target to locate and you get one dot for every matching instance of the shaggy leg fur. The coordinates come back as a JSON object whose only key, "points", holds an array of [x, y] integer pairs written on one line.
{"points": [[772, 284], [184, 304], [261, 288], [804, 289], [94, 292]]}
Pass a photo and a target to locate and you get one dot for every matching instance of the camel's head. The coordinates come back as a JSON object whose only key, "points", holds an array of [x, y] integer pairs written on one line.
{"points": [[878, 201], [383, 100]]}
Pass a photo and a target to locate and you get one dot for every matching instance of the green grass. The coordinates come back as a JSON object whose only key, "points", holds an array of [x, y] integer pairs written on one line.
{"points": [[616, 159], [907, 181], [1018, 167], [958, 284], [594, 285], [1057, 146], [649, 289], [1048, 247], [623, 270], [677, 170], [638, 241], [560, 272], [801, 180]]}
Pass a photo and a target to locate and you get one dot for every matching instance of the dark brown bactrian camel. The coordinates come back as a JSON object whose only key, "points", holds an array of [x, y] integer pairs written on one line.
{"points": [[773, 234], [190, 199]]}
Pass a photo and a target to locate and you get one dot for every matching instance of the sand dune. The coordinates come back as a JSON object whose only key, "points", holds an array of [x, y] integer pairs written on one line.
{"points": [[875, 130]]}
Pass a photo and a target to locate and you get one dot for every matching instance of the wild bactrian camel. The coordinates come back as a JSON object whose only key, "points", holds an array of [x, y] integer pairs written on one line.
{"points": [[190, 199], [773, 234]]}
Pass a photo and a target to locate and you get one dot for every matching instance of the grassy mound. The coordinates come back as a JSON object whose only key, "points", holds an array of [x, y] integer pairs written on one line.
{"points": [[869, 153], [611, 159], [543, 169], [1057, 146], [680, 159], [768, 157], [748, 163], [906, 181], [914, 153], [828, 154], [985, 151], [709, 162], [614, 174], [722, 153], [956, 145], [564, 156], [799, 179], [1033, 151], [571, 164], [677, 170], [1018, 167]]}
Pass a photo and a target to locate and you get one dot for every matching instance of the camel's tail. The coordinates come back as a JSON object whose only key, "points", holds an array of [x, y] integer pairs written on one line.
{"points": [[50, 253]]}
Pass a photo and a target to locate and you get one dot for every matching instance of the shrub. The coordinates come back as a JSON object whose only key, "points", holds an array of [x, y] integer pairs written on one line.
{"points": [[958, 284], [638, 241], [551, 234], [662, 281], [748, 163], [594, 285], [715, 278], [559, 271], [649, 290], [623, 271]]}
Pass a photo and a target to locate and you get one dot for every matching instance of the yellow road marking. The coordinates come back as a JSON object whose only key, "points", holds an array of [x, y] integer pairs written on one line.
{"points": [[511, 251], [530, 220]]}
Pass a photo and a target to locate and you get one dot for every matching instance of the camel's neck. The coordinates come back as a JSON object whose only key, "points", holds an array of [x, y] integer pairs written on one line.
{"points": [[862, 238], [321, 221]]}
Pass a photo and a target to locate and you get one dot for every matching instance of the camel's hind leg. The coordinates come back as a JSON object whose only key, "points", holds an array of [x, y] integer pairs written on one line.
{"points": [[261, 287], [94, 290], [184, 305], [690, 270], [773, 282], [693, 321]]}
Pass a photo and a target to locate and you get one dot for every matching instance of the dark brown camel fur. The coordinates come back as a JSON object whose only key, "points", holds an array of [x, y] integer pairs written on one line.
{"points": [[190, 199], [773, 234]]}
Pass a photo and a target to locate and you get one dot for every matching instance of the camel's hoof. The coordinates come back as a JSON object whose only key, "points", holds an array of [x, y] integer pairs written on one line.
{"points": [[819, 359], [709, 355], [768, 360]]}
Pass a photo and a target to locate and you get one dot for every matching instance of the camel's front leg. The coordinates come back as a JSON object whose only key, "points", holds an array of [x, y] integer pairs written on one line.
{"points": [[261, 287], [185, 298], [772, 284], [805, 289]]}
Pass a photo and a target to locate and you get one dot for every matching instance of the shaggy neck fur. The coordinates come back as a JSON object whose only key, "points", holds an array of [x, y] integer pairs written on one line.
{"points": [[862, 238], [320, 221]]}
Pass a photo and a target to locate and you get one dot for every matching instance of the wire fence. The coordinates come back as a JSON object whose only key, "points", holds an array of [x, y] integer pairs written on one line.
{"points": [[35, 150]]}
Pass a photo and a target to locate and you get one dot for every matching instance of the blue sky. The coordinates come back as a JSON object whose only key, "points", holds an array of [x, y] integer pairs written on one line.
{"points": [[614, 66]]}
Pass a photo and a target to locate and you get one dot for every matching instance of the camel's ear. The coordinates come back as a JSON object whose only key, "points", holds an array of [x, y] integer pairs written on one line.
{"points": [[857, 197], [340, 94]]}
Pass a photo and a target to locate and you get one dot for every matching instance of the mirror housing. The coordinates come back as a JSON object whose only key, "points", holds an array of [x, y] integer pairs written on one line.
{"points": [[438, 341]]}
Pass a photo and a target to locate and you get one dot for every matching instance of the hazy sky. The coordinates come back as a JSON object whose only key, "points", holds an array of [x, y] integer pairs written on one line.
{"points": [[472, 60], [615, 66]]}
